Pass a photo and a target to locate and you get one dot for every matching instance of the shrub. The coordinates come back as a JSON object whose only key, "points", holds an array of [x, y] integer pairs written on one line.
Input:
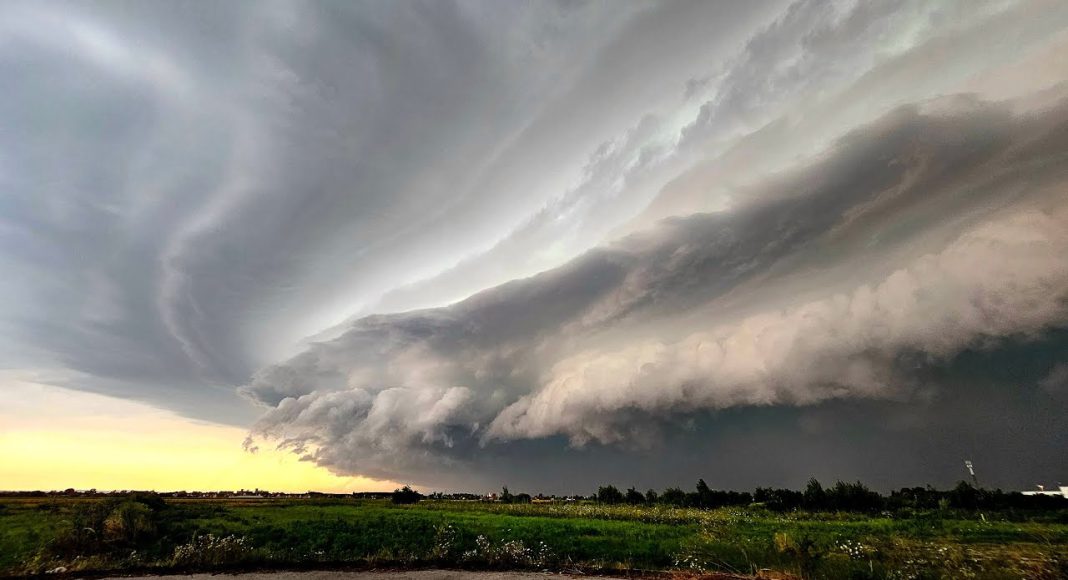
{"points": [[211, 550], [104, 527], [446, 537], [406, 495], [804, 552], [129, 523], [510, 553]]}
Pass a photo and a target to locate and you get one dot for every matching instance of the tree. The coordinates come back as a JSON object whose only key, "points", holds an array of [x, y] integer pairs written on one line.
{"points": [[673, 496], [650, 497], [704, 494], [964, 496], [853, 497], [609, 494], [406, 495], [702, 487], [814, 497], [778, 499], [634, 496], [506, 496]]}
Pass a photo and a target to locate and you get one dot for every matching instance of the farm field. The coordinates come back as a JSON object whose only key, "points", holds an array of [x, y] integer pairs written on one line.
{"points": [[39, 535]]}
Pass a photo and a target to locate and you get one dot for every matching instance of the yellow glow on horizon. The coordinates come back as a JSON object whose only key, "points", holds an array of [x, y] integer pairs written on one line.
{"points": [[53, 438]]}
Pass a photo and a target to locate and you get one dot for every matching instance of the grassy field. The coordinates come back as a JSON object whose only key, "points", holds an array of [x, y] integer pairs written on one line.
{"points": [[37, 535]]}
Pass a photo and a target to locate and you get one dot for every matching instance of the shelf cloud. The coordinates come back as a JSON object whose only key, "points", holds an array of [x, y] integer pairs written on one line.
{"points": [[556, 243], [937, 229]]}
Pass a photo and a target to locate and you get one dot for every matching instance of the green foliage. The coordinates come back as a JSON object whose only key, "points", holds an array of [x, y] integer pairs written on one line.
{"points": [[509, 554], [210, 550], [673, 496], [106, 526], [815, 498], [803, 551], [210, 535], [634, 497], [608, 494]]}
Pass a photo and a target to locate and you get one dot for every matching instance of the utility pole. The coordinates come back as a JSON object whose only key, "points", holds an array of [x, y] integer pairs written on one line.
{"points": [[975, 480], [971, 471]]}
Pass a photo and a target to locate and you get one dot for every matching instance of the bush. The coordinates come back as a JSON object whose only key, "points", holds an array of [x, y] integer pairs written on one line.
{"points": [[406, 495], [104, 527], [129, 523], [210, 550], [804, 552], [512, 553]]}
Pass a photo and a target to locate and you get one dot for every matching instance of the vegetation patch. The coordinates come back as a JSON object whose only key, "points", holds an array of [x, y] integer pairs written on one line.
{"points": [[144, 532]]}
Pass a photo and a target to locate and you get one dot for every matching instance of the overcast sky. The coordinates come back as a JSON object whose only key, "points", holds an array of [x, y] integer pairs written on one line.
{"points": [[552, 244]]}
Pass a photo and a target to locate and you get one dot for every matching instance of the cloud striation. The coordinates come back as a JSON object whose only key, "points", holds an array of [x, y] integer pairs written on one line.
{"points": [[949, 225]]}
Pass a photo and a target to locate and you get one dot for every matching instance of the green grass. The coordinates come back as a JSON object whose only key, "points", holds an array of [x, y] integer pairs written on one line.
{"points": [[24, 527], [470, 534]]}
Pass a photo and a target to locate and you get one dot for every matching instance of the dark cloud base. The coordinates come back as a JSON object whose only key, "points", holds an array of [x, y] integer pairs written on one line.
{"points": [[985, 406], [881, 314]]}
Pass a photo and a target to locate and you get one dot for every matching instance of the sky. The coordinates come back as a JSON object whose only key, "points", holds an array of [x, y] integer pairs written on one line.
{"points": [[550, 245]]}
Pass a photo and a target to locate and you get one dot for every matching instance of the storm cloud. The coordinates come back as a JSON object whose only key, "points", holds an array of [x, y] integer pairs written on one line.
{"points": [[947, 225], [457, 243]]}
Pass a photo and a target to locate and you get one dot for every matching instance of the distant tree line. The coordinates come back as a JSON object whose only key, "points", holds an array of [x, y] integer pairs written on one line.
{"points": [[842, 496]]}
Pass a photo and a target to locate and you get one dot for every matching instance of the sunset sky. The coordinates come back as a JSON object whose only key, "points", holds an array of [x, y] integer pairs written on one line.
{"points": [[351, 245], [55, 438]]}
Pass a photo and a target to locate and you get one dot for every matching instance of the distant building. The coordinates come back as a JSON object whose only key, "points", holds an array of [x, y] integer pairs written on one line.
{"points": [[372, 494], [1061, 491]]}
